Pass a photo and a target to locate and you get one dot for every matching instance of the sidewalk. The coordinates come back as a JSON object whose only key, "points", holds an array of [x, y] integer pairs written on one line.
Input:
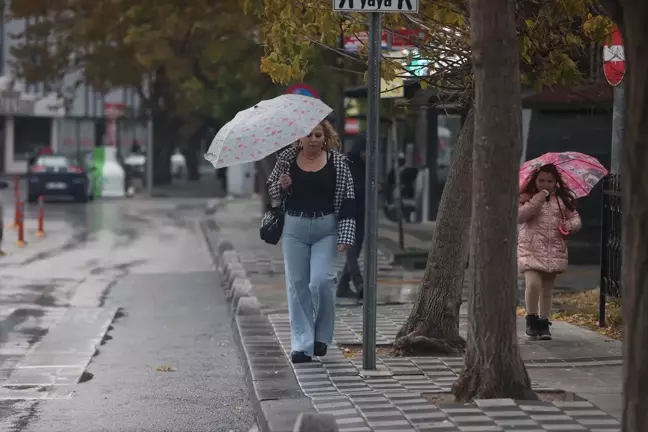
{"points": [[578, 360]]}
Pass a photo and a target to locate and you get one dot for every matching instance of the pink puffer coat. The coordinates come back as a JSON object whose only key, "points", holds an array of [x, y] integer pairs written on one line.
{"points": [[541, 246]]}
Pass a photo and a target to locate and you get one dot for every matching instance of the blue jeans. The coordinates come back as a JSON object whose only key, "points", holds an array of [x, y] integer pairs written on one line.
{"points": [[310, 250]]}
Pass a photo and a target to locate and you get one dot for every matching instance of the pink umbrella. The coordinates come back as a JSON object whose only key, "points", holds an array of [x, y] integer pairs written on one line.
{"points": [[578, 171]]}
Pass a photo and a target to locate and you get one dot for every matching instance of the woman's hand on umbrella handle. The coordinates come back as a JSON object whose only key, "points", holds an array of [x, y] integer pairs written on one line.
{"points": [[342, 247], [285, 181]]}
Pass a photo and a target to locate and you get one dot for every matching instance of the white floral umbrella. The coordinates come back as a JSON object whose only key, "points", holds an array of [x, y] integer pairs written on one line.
{"points": [[265, 128]]}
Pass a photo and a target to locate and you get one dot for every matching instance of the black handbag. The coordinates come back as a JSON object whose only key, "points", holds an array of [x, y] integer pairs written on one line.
{"points": [[272, 224]]}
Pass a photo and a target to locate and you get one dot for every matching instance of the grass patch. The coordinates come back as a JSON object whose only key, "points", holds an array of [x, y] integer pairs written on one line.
{"points": [[581, 309]]}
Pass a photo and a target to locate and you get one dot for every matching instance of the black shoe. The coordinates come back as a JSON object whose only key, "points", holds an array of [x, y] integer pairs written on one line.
{"points": [[299, 357], [543, 329], [532, 326], [360, 294], [320, 349]]}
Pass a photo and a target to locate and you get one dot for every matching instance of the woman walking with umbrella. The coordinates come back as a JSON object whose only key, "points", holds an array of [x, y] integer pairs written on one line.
{"points": [[316, 183], [547, 214], [312, 185]]}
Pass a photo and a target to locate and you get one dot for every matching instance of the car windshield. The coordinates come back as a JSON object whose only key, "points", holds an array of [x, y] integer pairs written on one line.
{"points": [[53, 161]]}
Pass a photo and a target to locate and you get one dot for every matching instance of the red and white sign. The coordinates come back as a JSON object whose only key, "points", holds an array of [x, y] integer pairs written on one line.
{"points": [[614, 65], [355, 42], [401, 39], [351, 126], [407, 38]]}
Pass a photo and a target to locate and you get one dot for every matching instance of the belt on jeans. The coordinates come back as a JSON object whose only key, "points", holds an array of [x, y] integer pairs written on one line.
{"points": [[310, 215]]}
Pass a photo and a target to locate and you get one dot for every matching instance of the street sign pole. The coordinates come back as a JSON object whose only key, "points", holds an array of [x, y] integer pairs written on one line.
{"points": [[374, 10], [371, 225], [614, 68], [618, 128]]}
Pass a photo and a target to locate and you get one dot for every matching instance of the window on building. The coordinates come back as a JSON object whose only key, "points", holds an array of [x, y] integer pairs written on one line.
{"points": [[30, 134]]}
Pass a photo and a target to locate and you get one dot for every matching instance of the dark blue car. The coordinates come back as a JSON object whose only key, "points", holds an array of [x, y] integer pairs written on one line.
{"points": [[58, 175]]}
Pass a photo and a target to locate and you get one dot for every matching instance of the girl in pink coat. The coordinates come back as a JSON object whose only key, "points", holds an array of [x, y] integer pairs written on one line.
{"points": [[546, 215]]}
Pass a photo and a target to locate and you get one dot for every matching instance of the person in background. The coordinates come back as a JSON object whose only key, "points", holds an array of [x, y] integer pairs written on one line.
{"points": [[221, 175], [351, 271]]}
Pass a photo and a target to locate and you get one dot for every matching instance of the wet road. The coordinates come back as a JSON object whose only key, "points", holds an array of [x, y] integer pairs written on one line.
{"points": [[123, 296]]}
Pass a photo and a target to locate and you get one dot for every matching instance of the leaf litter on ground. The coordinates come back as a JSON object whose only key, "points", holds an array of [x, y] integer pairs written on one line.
{"points": [[582, 309]]}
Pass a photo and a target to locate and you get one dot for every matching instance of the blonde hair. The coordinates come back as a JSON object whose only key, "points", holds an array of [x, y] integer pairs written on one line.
{"points": [[331, 138]]}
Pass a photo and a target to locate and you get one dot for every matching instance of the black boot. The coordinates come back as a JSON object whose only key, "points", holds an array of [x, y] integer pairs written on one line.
{"points": [[320, 349], [532, 326], [543, 329]]}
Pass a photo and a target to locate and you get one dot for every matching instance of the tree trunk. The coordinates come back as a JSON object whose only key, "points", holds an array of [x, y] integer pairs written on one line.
{"points": [[494, 366], [635, 222], [433, 324]]}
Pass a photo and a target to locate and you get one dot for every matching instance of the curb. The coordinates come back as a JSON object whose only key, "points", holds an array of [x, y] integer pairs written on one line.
{"points": [[273, 388]]}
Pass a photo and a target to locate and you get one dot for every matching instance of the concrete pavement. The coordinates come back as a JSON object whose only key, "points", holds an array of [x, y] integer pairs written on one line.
{"points": [[577, 360], [115, 321]]}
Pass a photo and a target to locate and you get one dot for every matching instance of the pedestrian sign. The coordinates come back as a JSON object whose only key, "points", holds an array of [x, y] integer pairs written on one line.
{"points": [[402, 6]]}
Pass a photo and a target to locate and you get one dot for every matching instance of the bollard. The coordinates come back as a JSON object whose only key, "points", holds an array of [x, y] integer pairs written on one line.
{"points": [[16, 221], [21, 224], [41, 217], [16, 200]]}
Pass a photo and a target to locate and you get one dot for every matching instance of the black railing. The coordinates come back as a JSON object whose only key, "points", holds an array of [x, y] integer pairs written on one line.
{"points": [[610, 285]]}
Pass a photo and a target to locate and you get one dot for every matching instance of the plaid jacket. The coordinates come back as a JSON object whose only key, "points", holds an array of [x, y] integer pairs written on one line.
{"points": [[344, 204]]}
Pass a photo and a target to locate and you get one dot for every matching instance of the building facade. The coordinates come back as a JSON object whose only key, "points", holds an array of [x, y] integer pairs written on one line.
{"points": [[31, 118]]}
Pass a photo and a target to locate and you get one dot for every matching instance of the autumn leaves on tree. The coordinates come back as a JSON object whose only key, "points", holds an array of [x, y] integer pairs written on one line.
{"points": [[194, 65]]}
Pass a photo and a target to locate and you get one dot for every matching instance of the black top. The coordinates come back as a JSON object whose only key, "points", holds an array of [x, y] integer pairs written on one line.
{"points": [[312, 193]]}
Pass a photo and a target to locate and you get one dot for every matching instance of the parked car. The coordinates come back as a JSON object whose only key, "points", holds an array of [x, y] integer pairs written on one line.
{"points": [[59, 175]]}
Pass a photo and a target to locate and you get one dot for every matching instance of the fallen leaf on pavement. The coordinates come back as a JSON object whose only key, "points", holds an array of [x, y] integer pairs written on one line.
{"points": [[165, 368]]}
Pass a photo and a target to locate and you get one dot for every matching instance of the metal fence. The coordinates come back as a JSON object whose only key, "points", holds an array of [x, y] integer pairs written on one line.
{"points": [[610, 243]]}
